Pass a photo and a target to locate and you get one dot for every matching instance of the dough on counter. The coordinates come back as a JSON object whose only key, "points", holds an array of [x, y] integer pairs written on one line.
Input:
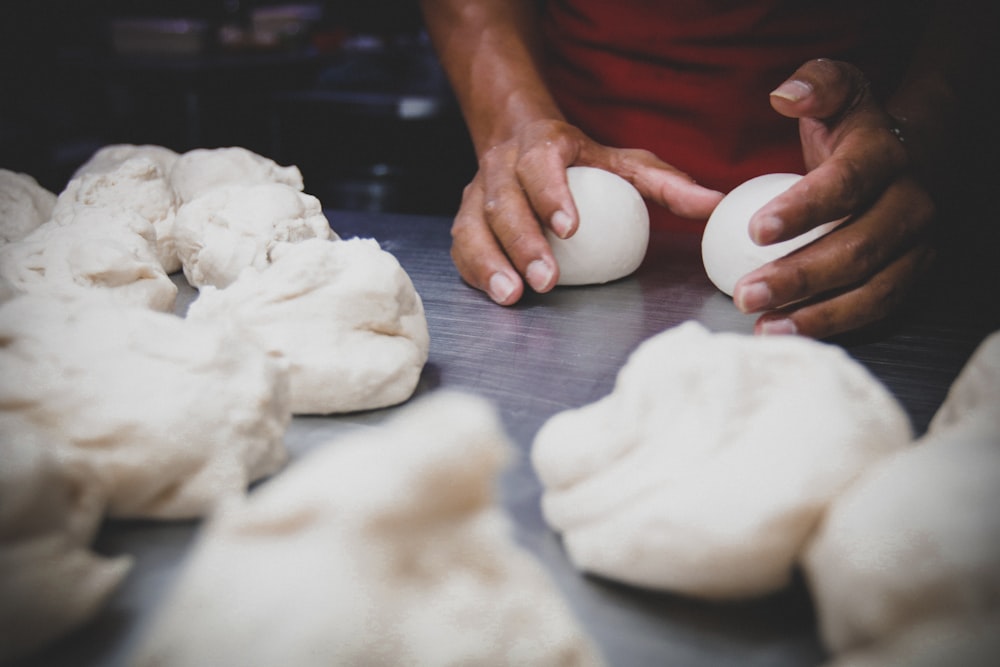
{"points": [[344, 313], [50, 509], [197, 171], [384, 547], [173, 415], [96, 254], [917, 537], [613, 234], [24, 205], [136, 185], [232, 227], [110, 157], [711, 461]]}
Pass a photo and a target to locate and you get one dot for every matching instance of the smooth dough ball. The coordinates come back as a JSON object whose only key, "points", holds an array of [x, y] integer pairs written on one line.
{"points": [[24, 205], [172, 415], [709, 464], [613, 235], [386, 547], [344, 313], [232, 227], [726, 248], [197, 171]]}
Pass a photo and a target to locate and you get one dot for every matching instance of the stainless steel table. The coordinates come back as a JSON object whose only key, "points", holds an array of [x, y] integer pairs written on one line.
{"points": [[549, 353]]}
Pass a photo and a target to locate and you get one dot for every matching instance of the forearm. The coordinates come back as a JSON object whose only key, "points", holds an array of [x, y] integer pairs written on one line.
{"points": [[489, 49]]}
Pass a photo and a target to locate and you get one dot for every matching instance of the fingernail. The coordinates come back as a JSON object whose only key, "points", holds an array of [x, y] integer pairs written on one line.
{"points": [[561, 223], [753, 297], [501, 287], [766, 229], [777, 328], [793, 90], [539, 275]]}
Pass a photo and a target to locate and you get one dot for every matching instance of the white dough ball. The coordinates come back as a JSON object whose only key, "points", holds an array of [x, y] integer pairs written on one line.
{"points": [[727, 250], [611, 239]]}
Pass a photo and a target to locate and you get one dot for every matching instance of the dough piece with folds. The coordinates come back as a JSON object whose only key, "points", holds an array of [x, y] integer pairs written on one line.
{"points": [[233, 227], [110, 157], [344, 313], [917, 537], [711, 461], [136, 185], [24, 205], [385, 548], [96, 254], [202, 169], [172, 415], [50, 509]]}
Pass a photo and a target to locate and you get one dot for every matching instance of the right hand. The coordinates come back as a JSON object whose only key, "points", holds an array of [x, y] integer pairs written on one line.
{"points": [[498, 241]]}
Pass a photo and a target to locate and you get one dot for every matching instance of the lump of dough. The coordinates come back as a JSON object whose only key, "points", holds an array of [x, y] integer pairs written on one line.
{"points": [[137, 185], [382, 548], [345, 315], [50, 509], [24, 205], [95, 254], [917, 537], [197, 171], [706, 468], [172, 415], [110, 157], [232, 227], [727, 251], [613, 233]]}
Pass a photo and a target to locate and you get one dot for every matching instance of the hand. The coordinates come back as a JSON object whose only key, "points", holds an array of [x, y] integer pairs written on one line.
{"points": [[498, 241], [858, 169]]}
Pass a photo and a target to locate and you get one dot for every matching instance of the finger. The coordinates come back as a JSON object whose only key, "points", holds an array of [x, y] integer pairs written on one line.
{"points": [[541, 171], [662, 183], [822, 88]]}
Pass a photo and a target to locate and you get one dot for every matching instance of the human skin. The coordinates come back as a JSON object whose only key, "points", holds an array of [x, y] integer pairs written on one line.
{"points": [[857, 168]]}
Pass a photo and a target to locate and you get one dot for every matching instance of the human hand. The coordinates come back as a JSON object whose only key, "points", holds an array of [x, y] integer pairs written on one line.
{"points": [[858, 169], [498, 241]]}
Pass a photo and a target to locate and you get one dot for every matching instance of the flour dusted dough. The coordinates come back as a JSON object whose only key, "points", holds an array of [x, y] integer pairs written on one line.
{"points": [[96, 254], [172, 415], [24, 205], [917, 537], [50, 508], [344, 313], [232, 227], [110, 157], [613, 233], [197, 171], [706, 468]]}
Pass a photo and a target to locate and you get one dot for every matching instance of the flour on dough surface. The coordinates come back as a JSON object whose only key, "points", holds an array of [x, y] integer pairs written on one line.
{"points": [[202, 169], [24, 205]]}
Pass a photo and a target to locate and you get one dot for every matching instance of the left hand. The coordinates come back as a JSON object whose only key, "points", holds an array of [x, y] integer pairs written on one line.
{"points": [[857, 168]]}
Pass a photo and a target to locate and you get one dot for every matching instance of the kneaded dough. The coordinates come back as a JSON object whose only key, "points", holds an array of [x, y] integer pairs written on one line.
{"points": [[384, 547], [344, 313], [203, 169], [711, 461], [95, 254], [24, 205], [50, 509], [727, 251], [172, 415], [917, 537], [232, 227], [110, 157], [613, 234]]}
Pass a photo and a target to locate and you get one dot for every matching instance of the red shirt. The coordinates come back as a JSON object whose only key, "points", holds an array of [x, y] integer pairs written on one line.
{"points": [[690, 80]]}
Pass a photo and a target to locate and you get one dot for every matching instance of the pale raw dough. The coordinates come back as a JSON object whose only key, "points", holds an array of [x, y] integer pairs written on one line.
{"points": [[110, 157], [727, 251], [613, 233], [197, 171], [172, 415], [24, 205], [135, 185], [50, 509], [917, 537], [382, 548], [96, 254], [707, 467], [344, 313], [232, 227]]}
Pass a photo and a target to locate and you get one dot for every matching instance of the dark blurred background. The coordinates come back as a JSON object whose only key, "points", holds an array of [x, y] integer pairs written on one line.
{"points": [[349, 91]]}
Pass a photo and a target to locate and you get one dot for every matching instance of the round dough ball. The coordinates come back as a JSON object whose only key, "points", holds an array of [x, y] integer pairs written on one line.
{"points": [[611, 239], [726, 247]]}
